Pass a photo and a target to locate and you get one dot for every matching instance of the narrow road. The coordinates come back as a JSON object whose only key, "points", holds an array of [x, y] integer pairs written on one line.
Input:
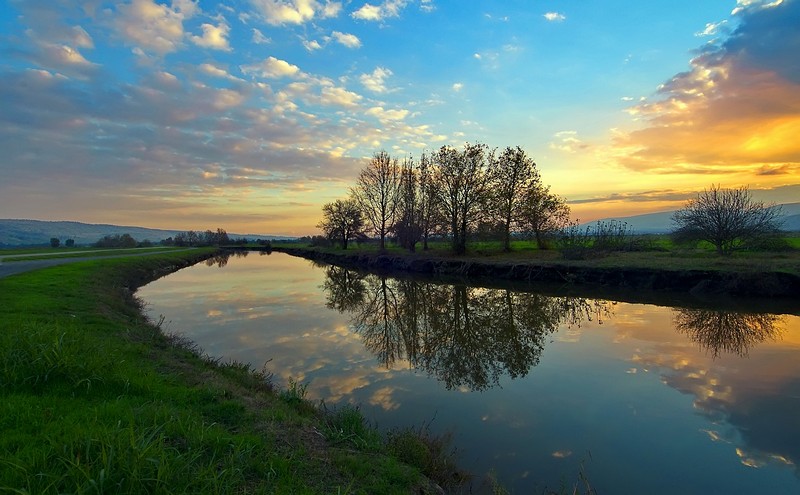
{"points": [[13, 267]]}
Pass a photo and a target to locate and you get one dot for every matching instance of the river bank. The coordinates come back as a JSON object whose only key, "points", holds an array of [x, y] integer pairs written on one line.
{"points": [[96, 398], [767, 283]]}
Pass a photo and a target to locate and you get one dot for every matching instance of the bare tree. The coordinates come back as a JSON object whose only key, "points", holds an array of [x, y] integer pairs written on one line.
{"points": [[341, 221], [726, 218], [429, 211], [408, 227], [543, 213], [376, 192], [514, 174], [463, 181]]}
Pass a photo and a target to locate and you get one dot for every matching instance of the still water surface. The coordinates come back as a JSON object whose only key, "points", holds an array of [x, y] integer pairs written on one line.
{"points": [[535, 389]]}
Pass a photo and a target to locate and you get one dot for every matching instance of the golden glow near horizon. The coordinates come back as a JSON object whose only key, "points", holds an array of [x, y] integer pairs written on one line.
{"points": [[189, 114]]}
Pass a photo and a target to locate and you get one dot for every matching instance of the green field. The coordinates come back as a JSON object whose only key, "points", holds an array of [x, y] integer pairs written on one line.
{"points": [[95, 399]]}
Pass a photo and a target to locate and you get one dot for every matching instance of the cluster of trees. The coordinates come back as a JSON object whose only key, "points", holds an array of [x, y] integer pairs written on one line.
{"points": [[453, 193], [56, 242], [197, 238], [117, 241]]}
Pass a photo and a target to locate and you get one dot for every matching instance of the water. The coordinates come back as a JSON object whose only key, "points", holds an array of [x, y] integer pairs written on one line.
{"points": [[535, 389]]}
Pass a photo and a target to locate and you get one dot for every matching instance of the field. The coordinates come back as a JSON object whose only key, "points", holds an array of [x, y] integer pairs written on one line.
{"points": [[648, 251], [95, 399]]}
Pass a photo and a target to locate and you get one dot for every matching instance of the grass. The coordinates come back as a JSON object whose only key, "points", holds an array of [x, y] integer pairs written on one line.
{"points": [[49, 253], [652, 252], [96, 399]]}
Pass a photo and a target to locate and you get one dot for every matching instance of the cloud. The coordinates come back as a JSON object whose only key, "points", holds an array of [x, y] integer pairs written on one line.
{"points": [[312, 45], [667, 195], [259, 38], [273, 68], [214, 37], [152, 26], [376, 81], [387, 9], [712, 28], [277, 12], [737, 109], [385, 115], [554, 17], [458, 86], [568, 142], [346, 39]]}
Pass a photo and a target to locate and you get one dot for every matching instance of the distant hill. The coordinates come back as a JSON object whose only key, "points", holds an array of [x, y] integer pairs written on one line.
{"points": [[36, 232], [660, 223]]}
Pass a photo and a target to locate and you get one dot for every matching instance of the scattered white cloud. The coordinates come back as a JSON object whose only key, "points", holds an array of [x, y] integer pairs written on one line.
{"points": [[554, 16], [278, 12], [227, 98], [214, 37], [376, 80], [458, 87], [312, 45], [346, 39], [154, 27], [385, 115], [272, 68], [259, 38], [567, 142], [711, 29], [334, 95], [387, 9]]}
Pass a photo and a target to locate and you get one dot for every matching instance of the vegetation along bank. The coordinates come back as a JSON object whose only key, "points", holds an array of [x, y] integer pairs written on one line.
{"points": [[752, 275], [96, 399]]}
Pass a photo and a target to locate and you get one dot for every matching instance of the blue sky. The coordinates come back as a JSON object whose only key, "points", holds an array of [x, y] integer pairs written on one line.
{"points": [[249, 115]]}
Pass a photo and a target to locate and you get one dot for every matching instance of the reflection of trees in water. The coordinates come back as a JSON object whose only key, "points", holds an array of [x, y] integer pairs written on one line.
{"points": [[465, 336], [721, 332], [221, 259]]}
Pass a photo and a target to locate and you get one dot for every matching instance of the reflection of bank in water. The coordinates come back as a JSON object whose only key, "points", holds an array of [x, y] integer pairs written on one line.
{"points": [[719, 332], [465, 336]]}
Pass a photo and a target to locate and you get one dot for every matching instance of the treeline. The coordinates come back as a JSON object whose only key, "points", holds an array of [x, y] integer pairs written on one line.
{"points": [[189, 238], [456, 194]]}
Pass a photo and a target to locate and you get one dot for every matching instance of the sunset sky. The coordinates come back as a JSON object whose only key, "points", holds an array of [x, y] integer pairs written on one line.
{"points": [[250, 114]]}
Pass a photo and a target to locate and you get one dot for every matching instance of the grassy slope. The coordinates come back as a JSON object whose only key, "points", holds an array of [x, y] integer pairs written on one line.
{"points": [[94, 399]]}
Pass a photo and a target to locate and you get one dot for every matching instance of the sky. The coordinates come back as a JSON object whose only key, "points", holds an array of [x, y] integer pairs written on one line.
{"points": [[249, 115]]}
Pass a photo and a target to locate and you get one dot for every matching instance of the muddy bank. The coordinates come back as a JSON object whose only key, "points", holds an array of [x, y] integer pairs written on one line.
{"points": [[761, 290]]}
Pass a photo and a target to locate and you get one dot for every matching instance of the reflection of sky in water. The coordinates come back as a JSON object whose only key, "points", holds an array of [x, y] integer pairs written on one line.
{"points": [[598, 396]]}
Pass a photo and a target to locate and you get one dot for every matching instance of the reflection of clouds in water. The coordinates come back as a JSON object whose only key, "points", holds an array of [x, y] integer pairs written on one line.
{"points": [[383, 397], [752, 402]]}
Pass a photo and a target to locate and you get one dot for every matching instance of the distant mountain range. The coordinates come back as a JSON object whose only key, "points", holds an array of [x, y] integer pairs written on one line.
{"points": [[37, 232], [660, 223]]}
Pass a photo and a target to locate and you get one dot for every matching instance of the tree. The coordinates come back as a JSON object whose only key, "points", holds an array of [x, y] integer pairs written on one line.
{"points": [[726, 218], [513, 175], [377, 191], [69, 242], [463, 181], [543, 213], [408, 227], [55, 242], [342, 221]]}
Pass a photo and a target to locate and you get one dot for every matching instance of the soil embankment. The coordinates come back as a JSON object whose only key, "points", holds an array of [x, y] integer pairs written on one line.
{"points": [[774, 289]]}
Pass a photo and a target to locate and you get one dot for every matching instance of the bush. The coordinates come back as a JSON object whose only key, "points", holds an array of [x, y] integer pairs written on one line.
{"points": [[597, 240]]}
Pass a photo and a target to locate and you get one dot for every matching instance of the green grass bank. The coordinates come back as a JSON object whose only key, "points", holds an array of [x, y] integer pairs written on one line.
{"points": [[96, 399]]}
